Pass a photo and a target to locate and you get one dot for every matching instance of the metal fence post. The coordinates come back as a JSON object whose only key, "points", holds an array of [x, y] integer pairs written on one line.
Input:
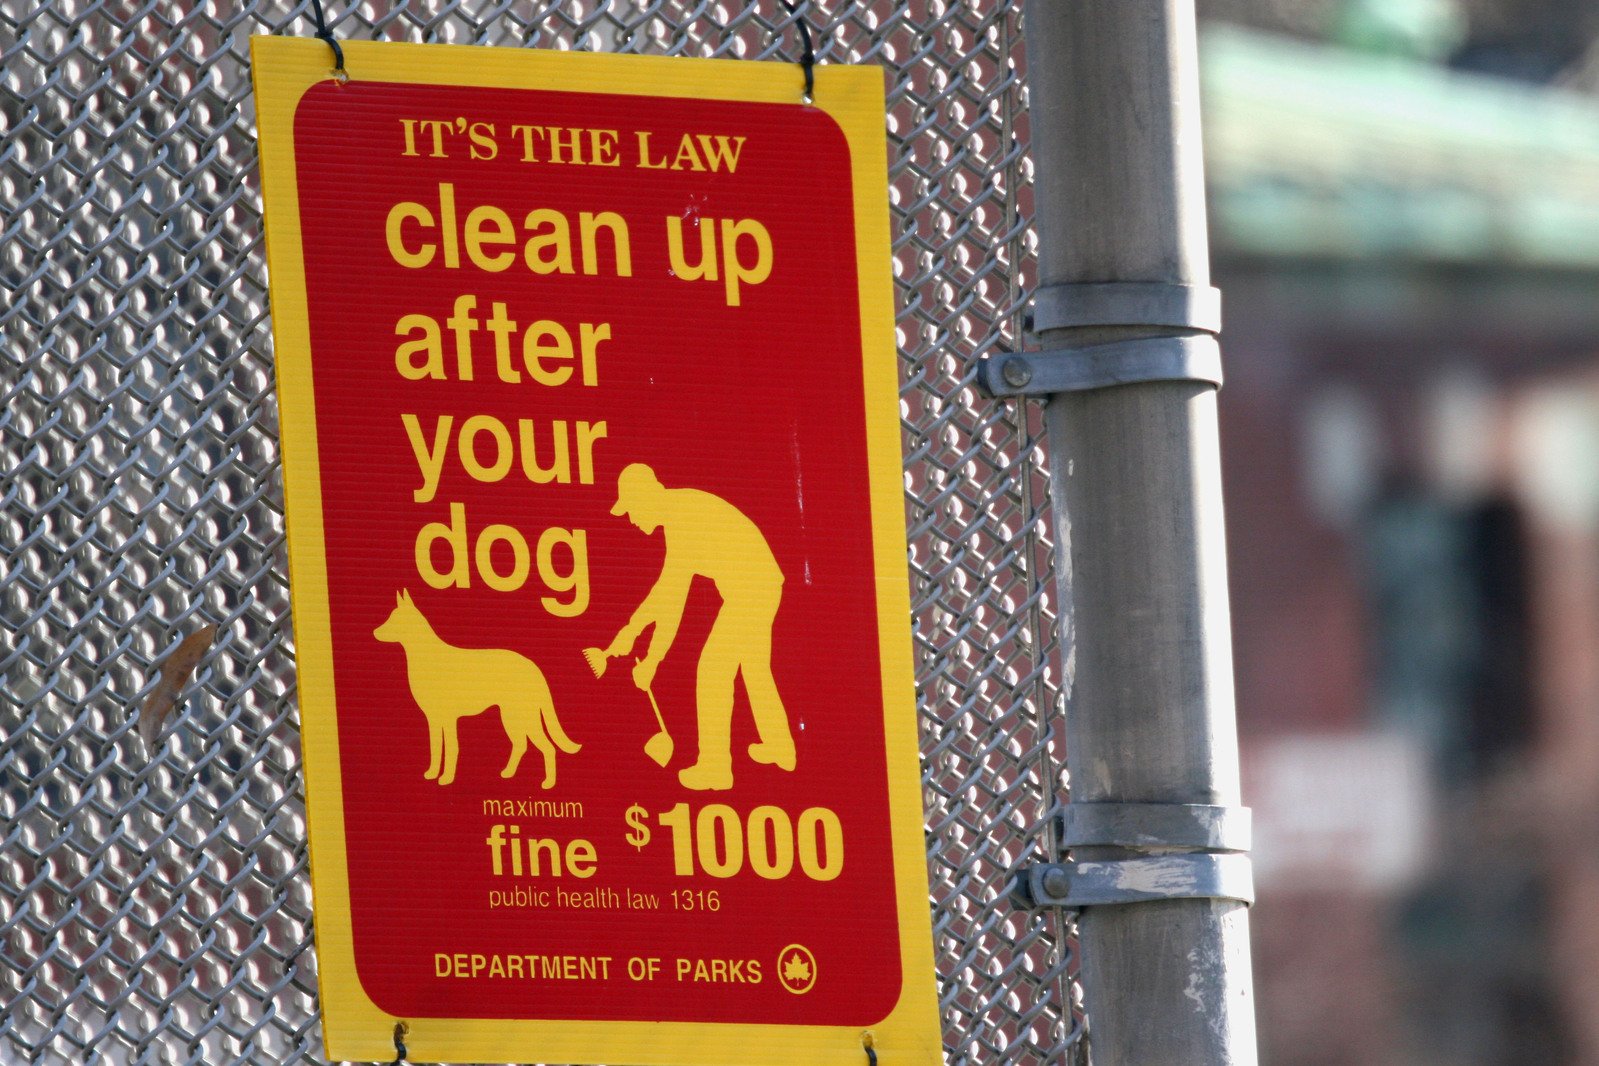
{"points": [[1136, 493]]}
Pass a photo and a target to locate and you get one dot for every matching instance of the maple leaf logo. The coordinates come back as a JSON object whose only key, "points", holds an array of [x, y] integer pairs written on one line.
{"points": [[795, 971]]}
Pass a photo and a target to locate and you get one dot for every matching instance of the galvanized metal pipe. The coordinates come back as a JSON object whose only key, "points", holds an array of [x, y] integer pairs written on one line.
{"points": [[1119, 187]]}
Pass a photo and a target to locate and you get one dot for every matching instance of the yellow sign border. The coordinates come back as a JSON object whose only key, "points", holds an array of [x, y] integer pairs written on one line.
{"points": [[354, 1027]]}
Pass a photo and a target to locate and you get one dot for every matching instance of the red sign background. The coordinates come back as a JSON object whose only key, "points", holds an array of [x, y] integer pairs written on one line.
{"points": [[760, 404]]}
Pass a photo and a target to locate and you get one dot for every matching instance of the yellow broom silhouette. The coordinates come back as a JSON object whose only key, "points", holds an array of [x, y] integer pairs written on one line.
{"points": [[658, 747]]}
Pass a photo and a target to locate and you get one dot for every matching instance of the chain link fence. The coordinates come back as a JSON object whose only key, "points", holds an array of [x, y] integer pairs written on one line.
{"points": [[154, 902]]}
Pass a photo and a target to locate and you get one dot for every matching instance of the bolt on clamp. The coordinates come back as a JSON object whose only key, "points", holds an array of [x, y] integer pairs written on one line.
{"points": [[1077, 368], [1188, 851]]}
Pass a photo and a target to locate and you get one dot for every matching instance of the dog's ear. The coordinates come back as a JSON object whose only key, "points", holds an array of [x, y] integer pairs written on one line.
{"points": [[405, 596], [399, 598]]}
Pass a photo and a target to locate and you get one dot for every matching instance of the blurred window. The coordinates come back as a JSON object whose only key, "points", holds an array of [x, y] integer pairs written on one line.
{"points": [[1448, 593]]}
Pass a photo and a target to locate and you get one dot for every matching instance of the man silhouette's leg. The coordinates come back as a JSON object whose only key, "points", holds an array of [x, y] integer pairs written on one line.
{"points": [[713, 697], [754, 633]]}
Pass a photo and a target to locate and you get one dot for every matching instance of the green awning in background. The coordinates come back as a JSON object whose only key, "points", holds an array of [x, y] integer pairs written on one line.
{"points": [[1316, 152]]}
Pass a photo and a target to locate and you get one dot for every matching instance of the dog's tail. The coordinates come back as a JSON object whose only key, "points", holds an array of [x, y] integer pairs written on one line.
{"points": [[552, 726]]}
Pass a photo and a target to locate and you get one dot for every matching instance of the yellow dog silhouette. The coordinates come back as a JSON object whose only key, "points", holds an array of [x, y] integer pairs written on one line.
{"points": [[451, 683]]}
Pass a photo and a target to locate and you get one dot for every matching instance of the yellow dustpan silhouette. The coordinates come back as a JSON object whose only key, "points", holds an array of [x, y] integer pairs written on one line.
{"points": [[658, 747]]}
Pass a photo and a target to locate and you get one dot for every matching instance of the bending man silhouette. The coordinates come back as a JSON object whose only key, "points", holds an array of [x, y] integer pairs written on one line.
{"points": [[708, 537]]}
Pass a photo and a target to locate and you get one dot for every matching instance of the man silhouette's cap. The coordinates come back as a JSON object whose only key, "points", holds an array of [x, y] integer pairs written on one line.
{"points": [[634, 481]]}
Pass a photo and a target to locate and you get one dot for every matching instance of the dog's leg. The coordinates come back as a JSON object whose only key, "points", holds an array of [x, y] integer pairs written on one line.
{"points": [[435, 749], [518, 744], [541, 741], [452, 750]]}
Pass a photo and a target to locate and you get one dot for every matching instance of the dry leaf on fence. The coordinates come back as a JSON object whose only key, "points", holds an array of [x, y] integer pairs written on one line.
{"points": [[175, 673]]}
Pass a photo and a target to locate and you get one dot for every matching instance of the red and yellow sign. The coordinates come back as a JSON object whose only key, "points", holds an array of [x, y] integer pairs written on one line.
{"points": [[587, 377]]}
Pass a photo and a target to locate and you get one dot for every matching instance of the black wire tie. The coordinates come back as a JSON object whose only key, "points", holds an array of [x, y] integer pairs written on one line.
{"points": [[807, 57], [400, 1028], [325, 34]]}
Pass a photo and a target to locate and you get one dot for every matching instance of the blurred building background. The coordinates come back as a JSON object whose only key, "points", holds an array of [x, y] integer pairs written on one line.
{"points": [[1405, 222]]}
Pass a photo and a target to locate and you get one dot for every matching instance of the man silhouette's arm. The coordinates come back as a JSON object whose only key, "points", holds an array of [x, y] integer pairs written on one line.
{"points": [[625, 637], [664, 606]]}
